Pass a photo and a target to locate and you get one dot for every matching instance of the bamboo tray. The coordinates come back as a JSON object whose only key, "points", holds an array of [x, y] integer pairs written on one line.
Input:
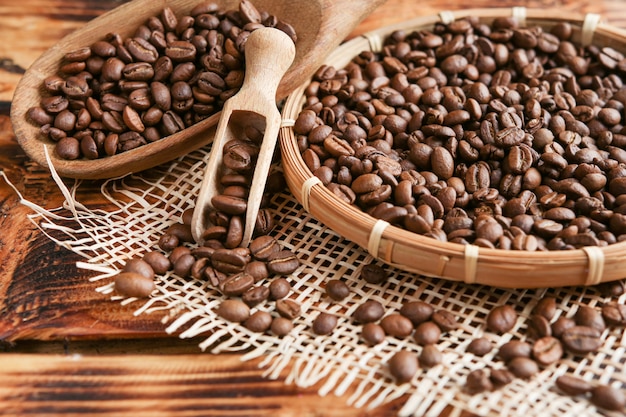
{"points": [[423, 255]]}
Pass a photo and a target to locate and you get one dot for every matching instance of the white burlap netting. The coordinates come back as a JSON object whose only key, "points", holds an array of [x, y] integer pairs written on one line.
{"points": [[142, 206]]}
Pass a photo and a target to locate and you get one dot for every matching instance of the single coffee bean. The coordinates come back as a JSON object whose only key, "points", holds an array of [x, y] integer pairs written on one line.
{"points": [[403, 366], [183, 265], [160, 263], [324, 324], [572, 385], [288, 308], [279, 288], [547, 350], [255, 295], [372, 334], [396, 325], [430, 356], [427, 333], [281, 326], [283, 262], [445, 320], [539, 326], [237, 284], [561, 325], [374, 274], [259, 321], [614, 313], [478, 381], [233, 310], [139, 266], [480, 346], [581, 339], [417, 311], [263, 246], [546, 307], [337, 289], [501, 377], [514, 349], [608, 397], [368, 312], [133, 284], [523, 367], [589, 316], [501, 319], [257, 269]]}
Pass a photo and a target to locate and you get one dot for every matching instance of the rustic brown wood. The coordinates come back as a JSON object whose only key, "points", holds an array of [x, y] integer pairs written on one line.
{"points": [[67, 347]]}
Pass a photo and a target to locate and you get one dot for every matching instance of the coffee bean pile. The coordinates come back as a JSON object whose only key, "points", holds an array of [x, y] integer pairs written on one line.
{"points": [[174, 71], [496, 135]]}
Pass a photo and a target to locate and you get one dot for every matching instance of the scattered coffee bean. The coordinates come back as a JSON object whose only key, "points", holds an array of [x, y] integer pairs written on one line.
{"points": [[445, 320], [283, 262], [396, 325], [281, 326], [259, 321], [403, 366], [561, 325], [480, 346], [133, 284], [430, 356], [427, 333], [279, 288], [417, 311], [547, 350], [288, 308], [337, 289], [368, 312], [514, 349], [324, 324], [523, 367], [608, 397], [501, 319], [372, 334], [614, 314], [478, 381], [501, 377], [373, 274], [233, 310], [546, 307], [589, 316], [572, 385], [160, 263], [581, 339], [139, 266]]}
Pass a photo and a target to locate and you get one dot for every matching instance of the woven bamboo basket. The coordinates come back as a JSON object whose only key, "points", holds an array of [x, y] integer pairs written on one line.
{"points": [[427, 256]]}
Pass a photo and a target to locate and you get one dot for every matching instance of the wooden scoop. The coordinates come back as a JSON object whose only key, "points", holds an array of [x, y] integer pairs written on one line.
{"points": [[320, 25], [269, 52]]}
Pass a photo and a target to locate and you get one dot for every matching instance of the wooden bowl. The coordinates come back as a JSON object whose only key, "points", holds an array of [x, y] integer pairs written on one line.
{"points": [[320, 27], [427, 256]]}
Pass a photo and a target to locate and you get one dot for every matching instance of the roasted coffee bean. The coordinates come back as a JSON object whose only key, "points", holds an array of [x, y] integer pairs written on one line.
{"points": [[372, 334], [233, 310], [430, 356], [288, 308], [514, 349], [259, 321], [501, 319], [478, 381], [614, 314], [396, 325], [324, 324], [139, 266], [547, 350], [160, 263], [368, 312], [283, 262], [608, 397], [581, 339], [133, 284], [561, 325], [337, 289], [417, 311], [501, 377], [546, 307], [539, 326], [373, 274], [427, 333], [263, 246], [257, 269], [279, 288], [255, 295], [445, 320], [523, 367], [281, 326], [590, 317], [572, 385], [480, 346], [403, 366], [183, 264]]}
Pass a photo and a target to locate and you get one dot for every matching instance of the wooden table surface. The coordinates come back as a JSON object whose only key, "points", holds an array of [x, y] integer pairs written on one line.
{"points": [[69, 350]]}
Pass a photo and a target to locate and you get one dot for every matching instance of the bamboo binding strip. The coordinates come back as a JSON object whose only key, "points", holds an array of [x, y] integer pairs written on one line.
{"points": [[425, 256]]}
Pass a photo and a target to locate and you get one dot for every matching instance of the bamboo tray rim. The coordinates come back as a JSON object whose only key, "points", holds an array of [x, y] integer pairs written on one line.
{"points": [[469, 263]]}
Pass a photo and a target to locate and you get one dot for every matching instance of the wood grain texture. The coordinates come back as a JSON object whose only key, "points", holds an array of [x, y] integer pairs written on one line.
{"points": [[69, 350]]}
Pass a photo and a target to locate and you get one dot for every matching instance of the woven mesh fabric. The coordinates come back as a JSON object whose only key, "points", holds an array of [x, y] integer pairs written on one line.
{"points": [[142, 206]]}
